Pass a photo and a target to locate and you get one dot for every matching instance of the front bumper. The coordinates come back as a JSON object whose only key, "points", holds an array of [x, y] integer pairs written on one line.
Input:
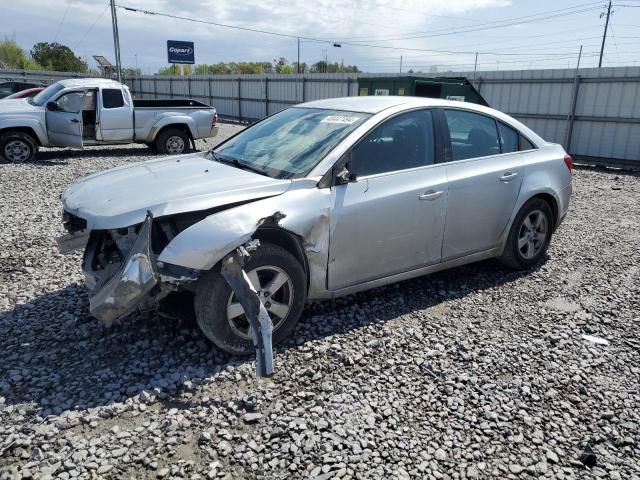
{"points": [[131, 285]]}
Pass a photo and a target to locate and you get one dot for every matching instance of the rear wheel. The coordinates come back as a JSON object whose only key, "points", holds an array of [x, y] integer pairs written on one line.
{"points": [[280, 282], [529, 236], [172, 141], [17, 147]]}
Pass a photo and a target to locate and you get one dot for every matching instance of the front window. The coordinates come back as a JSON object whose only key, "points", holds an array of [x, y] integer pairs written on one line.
{"points": [[291, 143], [45, 95]]}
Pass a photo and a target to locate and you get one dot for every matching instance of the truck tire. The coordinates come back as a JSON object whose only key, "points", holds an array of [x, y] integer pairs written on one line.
{"points": [[172, 141], [17, 147], [217, 310]]}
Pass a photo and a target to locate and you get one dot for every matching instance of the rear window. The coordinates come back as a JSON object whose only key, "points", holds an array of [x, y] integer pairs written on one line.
{"points": [[112, 98], [508, 138], [526, 144]]}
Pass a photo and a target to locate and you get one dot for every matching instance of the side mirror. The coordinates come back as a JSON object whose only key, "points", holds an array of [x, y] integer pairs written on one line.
{"points": [[52, 106], [344, 176]]}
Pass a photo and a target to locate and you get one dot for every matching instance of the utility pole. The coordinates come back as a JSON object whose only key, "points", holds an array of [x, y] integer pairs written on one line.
{"points": [[298, 69], [116, 39], [400, 63], [604, 35], [475, 67]]}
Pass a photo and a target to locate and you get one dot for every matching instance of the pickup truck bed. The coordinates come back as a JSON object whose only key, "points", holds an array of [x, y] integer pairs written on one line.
{"points": [[180, 103]]}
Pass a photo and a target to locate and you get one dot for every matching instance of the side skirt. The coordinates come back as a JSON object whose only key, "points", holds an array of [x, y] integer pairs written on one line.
{"points": [[418, 272]]}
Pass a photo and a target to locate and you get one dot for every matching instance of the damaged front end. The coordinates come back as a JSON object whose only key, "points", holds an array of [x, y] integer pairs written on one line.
{"points": [[129, 288], [121, 269]]}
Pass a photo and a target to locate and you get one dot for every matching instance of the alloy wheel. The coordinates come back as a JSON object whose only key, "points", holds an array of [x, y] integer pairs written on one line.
{"points": [[275, 289], [532, 235]]}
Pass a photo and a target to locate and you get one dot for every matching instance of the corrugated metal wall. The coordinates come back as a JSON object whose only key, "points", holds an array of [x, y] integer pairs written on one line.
{"points": [[595, 115], [246, 97]]}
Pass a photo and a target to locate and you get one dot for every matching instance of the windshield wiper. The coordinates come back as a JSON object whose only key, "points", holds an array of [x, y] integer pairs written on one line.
{"points": [[237, 163]]}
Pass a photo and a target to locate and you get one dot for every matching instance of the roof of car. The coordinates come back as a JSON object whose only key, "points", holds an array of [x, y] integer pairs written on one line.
{"points": [[375, 104], [89, 82]]}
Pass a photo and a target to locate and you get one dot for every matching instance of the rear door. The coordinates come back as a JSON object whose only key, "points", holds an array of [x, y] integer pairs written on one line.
{"points": [[485, 171], [64, 123], [116, 116], [391, 219]]}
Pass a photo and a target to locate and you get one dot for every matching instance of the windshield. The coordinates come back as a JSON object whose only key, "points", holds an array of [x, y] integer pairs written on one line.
{"points": [[45, 95], [291, 143]]}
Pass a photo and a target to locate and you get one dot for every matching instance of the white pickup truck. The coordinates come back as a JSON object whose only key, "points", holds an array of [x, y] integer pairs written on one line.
{"points": [[93, 111]]}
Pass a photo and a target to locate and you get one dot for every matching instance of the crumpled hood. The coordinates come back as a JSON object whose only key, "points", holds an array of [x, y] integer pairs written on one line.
{"points": [[121, 197]]}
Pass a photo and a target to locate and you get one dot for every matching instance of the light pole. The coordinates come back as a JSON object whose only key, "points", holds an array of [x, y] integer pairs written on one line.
{"points": [[116, 39]]}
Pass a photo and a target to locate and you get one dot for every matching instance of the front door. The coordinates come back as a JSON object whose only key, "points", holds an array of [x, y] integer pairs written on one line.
{"points": [[391, 219], [485, 173], [64, 121]]}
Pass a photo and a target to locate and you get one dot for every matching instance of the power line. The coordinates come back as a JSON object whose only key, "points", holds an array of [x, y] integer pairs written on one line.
{"points": [[492, 24], [92, 25], [64, 15], [486, 27], [321, 40]]}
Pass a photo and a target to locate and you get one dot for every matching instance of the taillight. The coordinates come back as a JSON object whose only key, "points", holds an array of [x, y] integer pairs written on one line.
{"points": [[214, 120], [568, 161]]}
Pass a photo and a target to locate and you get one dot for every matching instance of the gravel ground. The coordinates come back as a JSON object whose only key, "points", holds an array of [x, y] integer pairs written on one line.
{"points": [[478, 372]]}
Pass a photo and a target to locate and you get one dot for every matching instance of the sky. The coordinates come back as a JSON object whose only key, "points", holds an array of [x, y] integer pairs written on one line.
{"points": [[373, 34]]}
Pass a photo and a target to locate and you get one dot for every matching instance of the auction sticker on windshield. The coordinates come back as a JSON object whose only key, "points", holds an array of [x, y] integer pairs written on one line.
{"points": [[340, 119]]}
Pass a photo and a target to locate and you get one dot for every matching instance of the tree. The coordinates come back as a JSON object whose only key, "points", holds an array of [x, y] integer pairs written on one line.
{"points": [[281, 66], [54, 56], [13, 56]]}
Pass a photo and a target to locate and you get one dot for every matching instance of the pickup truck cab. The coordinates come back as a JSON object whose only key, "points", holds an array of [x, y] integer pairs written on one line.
{"points": [[93, 111]]}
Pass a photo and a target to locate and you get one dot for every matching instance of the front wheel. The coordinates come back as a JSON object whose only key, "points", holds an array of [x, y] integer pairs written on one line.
{"points": [[18, 147], [280, 281], [529, 236], [172, 141]]}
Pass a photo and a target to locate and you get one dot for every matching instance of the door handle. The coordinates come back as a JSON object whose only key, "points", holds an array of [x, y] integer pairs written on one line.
{"points": [[74, 120], [508, 176], [430, 195]]}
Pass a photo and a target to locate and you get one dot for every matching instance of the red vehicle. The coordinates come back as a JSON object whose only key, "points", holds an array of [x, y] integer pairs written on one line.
{"points": [[28, 93]]}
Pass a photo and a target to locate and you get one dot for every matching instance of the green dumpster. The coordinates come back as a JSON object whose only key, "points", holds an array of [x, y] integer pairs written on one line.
{"points": [[449, 88]]}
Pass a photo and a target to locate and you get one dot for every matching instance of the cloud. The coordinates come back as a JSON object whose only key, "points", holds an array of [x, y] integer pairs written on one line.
{"points": [[144, 36]]}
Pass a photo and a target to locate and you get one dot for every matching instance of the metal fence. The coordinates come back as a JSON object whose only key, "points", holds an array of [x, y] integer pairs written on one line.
{"points": [[246, 97], [594, 113], [39, 76]]}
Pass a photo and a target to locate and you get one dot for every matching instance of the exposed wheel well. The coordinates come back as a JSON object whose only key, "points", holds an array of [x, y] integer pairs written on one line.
{"points": [[286, 240], [553, 204], [28, 130]]}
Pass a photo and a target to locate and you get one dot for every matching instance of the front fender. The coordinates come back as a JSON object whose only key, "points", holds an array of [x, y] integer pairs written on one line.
{"points": [[303, 211], [31, 123]]}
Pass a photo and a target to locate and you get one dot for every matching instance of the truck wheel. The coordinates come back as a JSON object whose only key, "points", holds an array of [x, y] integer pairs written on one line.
{"points": [[280, 279], [17, 147], [172, 141]]}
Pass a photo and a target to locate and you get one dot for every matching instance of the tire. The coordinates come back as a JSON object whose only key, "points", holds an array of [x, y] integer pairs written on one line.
{"points": [[214, 299], [527, 243], [172, 141], [18, 147]]}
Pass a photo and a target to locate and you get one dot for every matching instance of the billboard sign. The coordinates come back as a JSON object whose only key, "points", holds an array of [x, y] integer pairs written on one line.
{"points": [[180, 52]]}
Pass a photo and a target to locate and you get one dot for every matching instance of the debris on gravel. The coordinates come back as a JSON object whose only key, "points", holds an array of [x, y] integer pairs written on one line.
{"points": [[478, 372]]}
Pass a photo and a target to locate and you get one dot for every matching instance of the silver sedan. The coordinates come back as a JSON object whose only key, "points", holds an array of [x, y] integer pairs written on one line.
{"points": [[323, 199]]}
